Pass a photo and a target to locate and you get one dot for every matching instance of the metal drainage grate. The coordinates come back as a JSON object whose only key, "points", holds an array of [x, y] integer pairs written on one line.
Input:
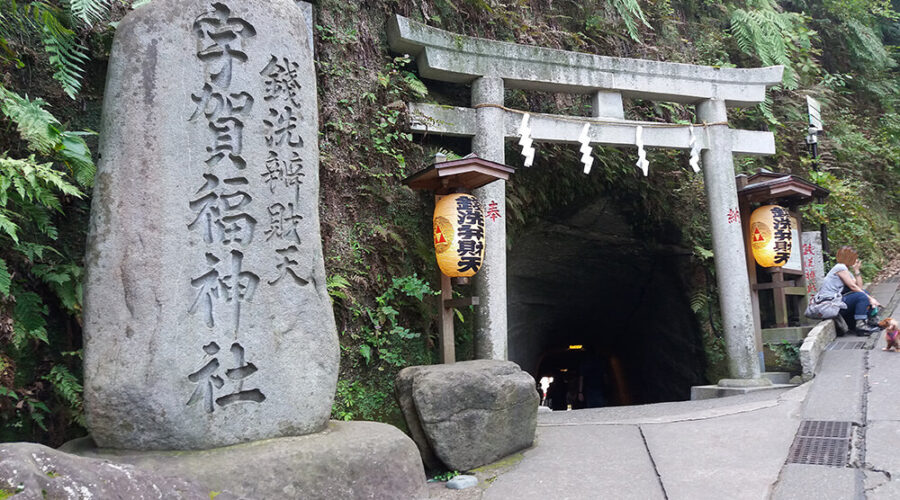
{"points": [[824, 428], [840, 346], [821, 443]]}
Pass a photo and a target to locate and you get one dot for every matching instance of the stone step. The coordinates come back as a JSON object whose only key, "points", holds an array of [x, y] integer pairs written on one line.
{"points": [[778, 377], [699, 392]]}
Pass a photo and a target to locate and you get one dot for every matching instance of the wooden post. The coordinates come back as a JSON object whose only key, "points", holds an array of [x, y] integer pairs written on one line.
{"points": [[781, 313], [445, 322], [447, 339]]}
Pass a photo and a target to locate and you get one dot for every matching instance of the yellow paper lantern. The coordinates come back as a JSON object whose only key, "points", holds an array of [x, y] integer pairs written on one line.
{"points": [[770, 235], [459, 235]]}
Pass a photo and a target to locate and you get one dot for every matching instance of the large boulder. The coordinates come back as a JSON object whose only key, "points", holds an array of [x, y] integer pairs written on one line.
{"points": [[33, 471], [403, 391], [348, 460], [471, 413]]}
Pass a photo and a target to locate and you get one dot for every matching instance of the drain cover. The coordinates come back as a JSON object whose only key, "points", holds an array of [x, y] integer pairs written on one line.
{"points": [[839, 346], [821, 442], [824, 428]]}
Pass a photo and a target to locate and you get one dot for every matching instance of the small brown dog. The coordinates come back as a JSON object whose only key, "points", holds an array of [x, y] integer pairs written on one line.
{"points": [[891, 334]]}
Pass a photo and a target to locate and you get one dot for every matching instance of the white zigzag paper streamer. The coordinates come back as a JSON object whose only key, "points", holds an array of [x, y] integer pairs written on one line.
{"points": [[526, 141], [695, 151], [586, 148], [642, 162]]}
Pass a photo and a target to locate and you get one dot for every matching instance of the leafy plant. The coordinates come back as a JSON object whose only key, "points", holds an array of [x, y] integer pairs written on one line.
{"points": [[786, 353], [774, 36], [630, 12], [36, 272], [446, 476], [54, 23], [382, 338]]}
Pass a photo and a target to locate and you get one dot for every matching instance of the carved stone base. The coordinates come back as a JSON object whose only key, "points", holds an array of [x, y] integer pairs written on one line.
{"points": [[348, 460]]}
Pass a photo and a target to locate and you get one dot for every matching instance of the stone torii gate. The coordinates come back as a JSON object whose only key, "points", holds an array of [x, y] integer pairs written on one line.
{"points": [[492, 66]]}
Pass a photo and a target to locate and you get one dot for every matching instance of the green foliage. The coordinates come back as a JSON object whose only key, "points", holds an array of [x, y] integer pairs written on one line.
{"points": [[386, 130], [337, 286], [764, 31], [37, 274], [45, 135], [849, 219], [382, 347], [870, 55], [787, 355], [383, 337], [54, 23], [446, 476], [89, 11], [630, 12]]}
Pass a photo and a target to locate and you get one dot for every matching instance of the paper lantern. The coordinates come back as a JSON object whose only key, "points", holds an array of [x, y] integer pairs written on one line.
{"points": [[770, 235], [459, 235]]}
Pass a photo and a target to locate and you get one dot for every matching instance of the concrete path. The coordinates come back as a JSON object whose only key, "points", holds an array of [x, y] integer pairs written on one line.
{"points": [[733, 448], [693, 449]]}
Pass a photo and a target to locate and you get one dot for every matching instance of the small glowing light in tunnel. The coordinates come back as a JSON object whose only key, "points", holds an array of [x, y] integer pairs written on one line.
{"points": [[563, 370], [577, 347]]}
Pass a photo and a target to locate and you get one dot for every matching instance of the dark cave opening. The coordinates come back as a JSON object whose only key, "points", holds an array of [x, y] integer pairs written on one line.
{"points": [[583, 279]]}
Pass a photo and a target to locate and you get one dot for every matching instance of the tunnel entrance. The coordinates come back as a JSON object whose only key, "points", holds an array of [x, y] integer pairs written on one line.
{"points": [[583, 377], [595, 306]]}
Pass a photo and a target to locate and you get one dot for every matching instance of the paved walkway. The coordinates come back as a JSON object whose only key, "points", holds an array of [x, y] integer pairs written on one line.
{"points": [[732, 448]]}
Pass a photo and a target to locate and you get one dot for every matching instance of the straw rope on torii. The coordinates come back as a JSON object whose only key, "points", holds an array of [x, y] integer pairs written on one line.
{"points": [[491, 66], [458, 121], [528, 151]]}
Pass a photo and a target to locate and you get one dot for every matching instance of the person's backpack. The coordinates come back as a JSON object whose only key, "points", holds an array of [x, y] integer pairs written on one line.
{"points": [[824, 307]]}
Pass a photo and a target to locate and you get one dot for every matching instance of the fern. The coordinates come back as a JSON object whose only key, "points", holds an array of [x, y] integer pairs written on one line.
{"points": [[89, 11], [34, 124], [630, 12], [44, 134], [66, 385], [66, 55], [47, 22], [336, 286], [29, 318], [765, 107], [414, 84], [5, 279], [869, 54], [770, 35]]}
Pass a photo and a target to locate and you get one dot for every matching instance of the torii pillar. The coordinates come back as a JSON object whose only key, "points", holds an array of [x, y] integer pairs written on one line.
{"points": [[728, 243], [490, 282]]}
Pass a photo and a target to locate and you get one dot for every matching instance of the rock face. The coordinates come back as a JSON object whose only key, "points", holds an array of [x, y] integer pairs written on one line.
{"points": [[33, 471], [207, 320], [348, 460], [471, 413]]}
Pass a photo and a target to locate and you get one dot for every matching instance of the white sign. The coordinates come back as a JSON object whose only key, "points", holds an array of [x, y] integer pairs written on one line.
{"points": [[815, 114]]}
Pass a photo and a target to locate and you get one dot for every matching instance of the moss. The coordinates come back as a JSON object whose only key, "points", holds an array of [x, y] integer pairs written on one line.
{"points": [[487, 474]]}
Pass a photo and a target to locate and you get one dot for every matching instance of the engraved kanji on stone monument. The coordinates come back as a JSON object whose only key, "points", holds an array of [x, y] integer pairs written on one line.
{"points": [[204, 229]]}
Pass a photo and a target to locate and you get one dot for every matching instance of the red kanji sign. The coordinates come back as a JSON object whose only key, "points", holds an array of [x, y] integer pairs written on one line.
{"points": [[493, 211]]}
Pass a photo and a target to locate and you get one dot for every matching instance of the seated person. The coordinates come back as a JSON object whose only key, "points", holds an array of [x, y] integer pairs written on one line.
{"points": [[858, 301]]}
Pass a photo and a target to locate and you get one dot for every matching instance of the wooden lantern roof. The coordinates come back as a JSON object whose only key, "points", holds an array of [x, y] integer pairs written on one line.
{"points": [[771, 187], [468, 173]]}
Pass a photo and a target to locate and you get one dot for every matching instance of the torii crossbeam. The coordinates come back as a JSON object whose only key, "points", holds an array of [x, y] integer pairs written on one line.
{"points": [[491, 66]]}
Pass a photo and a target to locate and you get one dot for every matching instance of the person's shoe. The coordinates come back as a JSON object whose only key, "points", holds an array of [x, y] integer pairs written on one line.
{"points": [[862, 328]]}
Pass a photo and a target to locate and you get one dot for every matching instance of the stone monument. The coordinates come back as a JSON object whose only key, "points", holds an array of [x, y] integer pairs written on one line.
{"points": [[207, 321]]}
